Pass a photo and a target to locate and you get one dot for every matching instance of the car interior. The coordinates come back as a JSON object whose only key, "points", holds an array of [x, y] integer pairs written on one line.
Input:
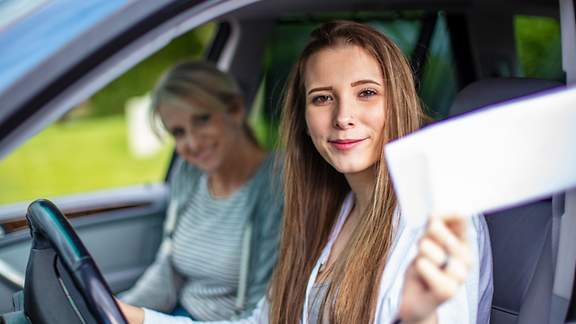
{"points": [[523, 261], [465, 56]]}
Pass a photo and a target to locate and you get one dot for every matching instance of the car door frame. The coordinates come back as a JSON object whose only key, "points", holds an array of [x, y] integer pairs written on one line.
{"points": [[132, 35]]}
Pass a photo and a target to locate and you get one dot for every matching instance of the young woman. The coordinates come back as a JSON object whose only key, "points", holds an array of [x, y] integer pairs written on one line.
{"points": [[347, 254], [216, 262]]}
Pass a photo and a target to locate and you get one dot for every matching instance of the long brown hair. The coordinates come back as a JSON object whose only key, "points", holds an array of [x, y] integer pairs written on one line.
{"points": [[314, 190]]}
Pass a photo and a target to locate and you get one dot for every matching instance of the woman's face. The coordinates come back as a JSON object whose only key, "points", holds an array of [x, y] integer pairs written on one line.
{"points": [[345, 107], [203, 138]]}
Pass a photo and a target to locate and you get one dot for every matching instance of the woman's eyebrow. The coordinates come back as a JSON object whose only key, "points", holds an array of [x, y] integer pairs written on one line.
{"points": [[320, 89], [359, 82]]}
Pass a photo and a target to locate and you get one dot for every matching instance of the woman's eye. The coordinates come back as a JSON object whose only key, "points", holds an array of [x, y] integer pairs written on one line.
{"points": [[202, 119], [367, 93], [177, 132], [322, 99]]}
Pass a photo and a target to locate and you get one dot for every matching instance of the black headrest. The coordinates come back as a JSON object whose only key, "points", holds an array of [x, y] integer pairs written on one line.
{"points": [[491, 91]]}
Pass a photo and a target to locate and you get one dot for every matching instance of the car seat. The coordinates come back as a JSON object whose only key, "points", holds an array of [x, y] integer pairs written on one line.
{"points": [[521, 237]]}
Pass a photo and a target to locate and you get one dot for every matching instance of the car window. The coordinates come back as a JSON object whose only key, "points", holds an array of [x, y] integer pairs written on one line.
{"points": [[538, 47], [12, 10], [107, 141], [439, 83], [44, 30], [437, 87]]}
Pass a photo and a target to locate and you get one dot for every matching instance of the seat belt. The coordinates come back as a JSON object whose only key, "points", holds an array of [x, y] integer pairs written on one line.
{"points": [[568, 34], [565, 259], [169, 227], [566, 253], [240, 303]]}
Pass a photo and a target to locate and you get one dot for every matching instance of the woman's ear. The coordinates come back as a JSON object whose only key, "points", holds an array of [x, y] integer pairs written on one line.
{"points": [[236, 110]]}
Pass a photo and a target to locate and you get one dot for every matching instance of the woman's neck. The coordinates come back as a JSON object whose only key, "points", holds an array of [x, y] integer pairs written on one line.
{"points": [[237, 169], [362, 185]]}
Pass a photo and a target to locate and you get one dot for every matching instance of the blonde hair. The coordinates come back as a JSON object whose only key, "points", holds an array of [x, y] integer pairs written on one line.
{"points": [[314, 190], [200, 82]]}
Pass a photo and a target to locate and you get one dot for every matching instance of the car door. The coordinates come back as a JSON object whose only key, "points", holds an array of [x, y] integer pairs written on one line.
{"points": [[98, 159]]}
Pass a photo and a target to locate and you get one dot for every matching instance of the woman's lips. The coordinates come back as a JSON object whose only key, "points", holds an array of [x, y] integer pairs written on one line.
{"points": [[345, 144], [204, 153]]}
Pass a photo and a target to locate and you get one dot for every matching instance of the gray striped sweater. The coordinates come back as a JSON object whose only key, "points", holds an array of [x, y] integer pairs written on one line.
{"points": [[200, 266]]}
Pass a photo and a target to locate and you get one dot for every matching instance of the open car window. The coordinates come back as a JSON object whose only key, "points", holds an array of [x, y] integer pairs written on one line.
{"points": [[12, 10], [106, 142], [43, 28]]}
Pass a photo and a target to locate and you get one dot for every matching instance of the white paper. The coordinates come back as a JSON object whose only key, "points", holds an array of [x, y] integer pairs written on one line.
{"points": [[500, 157]]}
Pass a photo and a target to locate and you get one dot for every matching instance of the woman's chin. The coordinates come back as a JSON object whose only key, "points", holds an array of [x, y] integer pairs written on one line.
{"points": [[206, 166], [352, 168]]}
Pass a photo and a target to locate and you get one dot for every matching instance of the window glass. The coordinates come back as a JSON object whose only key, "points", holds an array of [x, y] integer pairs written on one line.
{"points": [[12, 10], [538, 47], [105, 142], [439, 85], [32, 32]]}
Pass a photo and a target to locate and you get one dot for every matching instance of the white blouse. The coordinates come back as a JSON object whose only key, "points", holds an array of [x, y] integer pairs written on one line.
{"points": [[470, 305]]}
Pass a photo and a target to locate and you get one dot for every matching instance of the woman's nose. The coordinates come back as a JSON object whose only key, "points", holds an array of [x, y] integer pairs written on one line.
{"points": [[192, 143], [344, 114]]}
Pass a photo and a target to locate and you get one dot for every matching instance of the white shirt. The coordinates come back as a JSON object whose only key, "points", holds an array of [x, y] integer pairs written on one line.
{"points": [[470, 305]]}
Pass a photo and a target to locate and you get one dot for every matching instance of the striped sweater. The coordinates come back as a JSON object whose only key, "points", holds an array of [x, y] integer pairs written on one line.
{"points": [[200, 269]]}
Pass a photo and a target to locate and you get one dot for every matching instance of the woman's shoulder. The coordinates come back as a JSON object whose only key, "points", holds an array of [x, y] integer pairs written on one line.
{"points": [[267, 189], [269, 175]]}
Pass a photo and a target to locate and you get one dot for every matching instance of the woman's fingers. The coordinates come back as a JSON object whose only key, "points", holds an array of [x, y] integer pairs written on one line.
{"points": [[439, 269], [441, 286], [454, 245], [444, 256], [457, 223], [435, 254]]}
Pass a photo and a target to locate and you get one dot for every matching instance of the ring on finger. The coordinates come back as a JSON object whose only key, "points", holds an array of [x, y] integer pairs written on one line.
{"points": [[445, 263]]}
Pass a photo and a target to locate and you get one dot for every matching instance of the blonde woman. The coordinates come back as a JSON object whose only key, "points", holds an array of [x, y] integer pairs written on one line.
{"points": [[347, 255], [223, 217]]}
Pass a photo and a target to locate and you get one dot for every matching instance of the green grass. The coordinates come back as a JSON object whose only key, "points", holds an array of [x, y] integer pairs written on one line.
{"points": [[77, 156]]}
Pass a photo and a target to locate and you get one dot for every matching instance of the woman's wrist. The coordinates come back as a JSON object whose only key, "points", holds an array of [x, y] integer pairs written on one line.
{"points": [[432, 319], [133, 314]]}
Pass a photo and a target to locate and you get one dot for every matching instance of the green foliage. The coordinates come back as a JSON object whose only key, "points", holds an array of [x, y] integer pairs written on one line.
{"points": [[538, 46], [141, 79]]}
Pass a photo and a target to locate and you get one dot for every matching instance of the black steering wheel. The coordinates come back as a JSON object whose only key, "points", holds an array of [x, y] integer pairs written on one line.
{"points": [[63, 284]]}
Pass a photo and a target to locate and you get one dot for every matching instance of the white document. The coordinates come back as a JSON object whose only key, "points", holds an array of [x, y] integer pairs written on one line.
{"points": [[500, 157]]}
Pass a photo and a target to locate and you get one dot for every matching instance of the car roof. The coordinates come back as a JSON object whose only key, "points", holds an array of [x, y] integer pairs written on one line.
{"points": [[278, 8]]}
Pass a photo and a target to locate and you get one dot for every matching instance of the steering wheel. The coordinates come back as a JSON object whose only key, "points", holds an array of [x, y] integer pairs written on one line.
{"points": [[63, 284]]}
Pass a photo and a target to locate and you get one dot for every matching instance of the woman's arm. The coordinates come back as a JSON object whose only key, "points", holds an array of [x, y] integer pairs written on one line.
{"points": [[158, 287], [265, 257], [137, 315]]}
